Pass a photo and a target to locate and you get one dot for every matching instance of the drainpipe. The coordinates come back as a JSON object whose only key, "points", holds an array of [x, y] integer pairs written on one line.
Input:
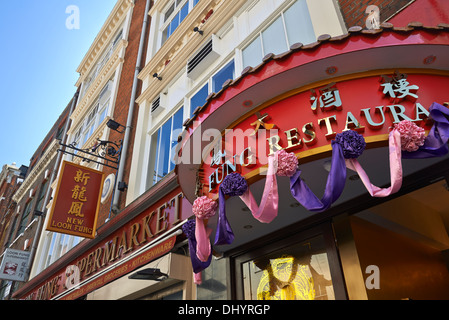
{"points": [[123, 158], [40, 218]]}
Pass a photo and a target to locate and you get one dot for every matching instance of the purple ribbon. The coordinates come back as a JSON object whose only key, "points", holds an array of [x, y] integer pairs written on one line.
{"points": [[435, 144], [197, 265], [224, 234], [334, 185]]}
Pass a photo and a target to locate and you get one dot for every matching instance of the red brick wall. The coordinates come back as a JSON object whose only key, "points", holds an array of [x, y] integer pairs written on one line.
{"points": [[353, 11], [428, 12], [123, 99]]}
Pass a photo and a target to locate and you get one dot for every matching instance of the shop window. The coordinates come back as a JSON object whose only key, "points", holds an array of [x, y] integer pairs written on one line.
{"points": [[297, 272], [163, 145], [291, 26]]}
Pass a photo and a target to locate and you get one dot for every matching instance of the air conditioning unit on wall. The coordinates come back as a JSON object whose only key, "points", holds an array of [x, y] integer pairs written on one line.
{"points": [[203, 58], [158, 105]]}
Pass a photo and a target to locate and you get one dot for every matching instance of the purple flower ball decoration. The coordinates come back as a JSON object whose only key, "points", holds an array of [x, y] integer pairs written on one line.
{"points": [[189, 228], [352, 144], [234, 184]]}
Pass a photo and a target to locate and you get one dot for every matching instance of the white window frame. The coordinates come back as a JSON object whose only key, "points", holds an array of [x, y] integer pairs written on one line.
{"points": [[165, 22], [257, 34], [150, 175], [209, 82], [53, 250]]}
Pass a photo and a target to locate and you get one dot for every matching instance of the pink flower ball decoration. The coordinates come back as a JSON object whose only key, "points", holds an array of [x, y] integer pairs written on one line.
{"points": [[287, 163], [412, 136], [204, 208]]}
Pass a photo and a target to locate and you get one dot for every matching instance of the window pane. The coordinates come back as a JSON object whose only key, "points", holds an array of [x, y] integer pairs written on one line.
{"points": [[169, 12], [174, 24], [154, 153], [199, 99], [177, 129], [274, 38], [165, 34], [226, 73], [195, 2], [103, 113], [184, 12], [252, 54], [24, 220], [163, 150], [298, 23]]}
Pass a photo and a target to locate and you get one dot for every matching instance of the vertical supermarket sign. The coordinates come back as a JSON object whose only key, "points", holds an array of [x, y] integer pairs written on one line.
{"points": [[77, 200]]}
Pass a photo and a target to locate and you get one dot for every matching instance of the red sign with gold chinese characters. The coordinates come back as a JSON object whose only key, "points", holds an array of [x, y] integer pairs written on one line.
{"points": [[77, 200]]}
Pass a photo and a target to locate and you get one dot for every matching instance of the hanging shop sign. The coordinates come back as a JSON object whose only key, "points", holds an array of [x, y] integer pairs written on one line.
{"points": [[119, 253], [14, 265], [77, 200], [306, 122]]}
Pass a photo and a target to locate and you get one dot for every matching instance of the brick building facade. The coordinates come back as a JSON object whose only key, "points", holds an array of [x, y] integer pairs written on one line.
{"points": [[28, 200], [169, 97]]}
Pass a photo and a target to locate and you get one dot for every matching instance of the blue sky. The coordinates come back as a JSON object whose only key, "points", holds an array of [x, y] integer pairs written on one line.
{"points": [[39, 56]]}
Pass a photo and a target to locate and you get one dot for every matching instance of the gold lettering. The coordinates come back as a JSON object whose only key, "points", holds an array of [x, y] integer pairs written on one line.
{"points": [[133, 238], [109, 250], [122, 246], [81, 265], [176, 201], [146, 230], [353, 123], [89, 264], [274, 144], [293, 140], [161, 222], [54, 286], [97, 257], [327, 121], [308, 130]]}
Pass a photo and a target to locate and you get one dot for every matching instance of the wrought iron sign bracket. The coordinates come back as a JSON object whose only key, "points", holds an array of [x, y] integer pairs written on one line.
{"points": [[107, 151]]}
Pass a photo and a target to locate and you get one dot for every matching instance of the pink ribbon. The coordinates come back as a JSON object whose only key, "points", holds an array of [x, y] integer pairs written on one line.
{"points": [[202, 233], [268, 209], [197, 278], [395, 169]]}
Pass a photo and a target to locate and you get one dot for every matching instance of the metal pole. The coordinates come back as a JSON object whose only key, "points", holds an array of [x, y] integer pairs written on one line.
{"points": [[115, 201]]}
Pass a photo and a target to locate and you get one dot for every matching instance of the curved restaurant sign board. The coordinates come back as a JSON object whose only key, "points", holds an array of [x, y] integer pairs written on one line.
{"points": [[300, 100], [305, 123]]}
